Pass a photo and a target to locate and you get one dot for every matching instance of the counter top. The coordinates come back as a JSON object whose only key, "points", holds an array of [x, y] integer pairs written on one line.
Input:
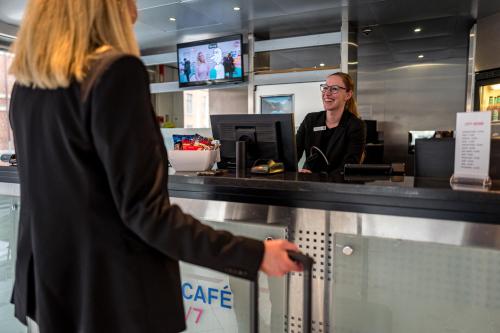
{"points": [[401, 196], [8, 174]]}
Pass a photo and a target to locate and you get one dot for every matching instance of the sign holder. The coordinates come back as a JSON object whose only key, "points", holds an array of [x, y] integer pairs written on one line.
{"points": [[472, 152], [470, 184]]}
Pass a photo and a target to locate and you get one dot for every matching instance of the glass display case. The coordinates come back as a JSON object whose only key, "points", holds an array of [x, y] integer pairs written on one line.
{"points": [[487, 97]]}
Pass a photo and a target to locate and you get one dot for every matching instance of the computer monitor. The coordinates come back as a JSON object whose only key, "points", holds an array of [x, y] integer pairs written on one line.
{"points": [[268, 136], [431, 134]]}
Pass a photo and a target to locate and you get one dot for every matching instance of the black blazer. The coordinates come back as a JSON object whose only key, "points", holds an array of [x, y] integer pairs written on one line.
{"points": [[346, 145], [99, 241]]}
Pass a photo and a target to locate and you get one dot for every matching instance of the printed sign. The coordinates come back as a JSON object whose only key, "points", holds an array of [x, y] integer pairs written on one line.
{"points": [[472, 145], [208, 301]]}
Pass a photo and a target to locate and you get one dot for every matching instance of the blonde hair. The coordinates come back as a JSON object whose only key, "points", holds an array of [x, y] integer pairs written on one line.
{"points": [[58, 38], [351, 105]]}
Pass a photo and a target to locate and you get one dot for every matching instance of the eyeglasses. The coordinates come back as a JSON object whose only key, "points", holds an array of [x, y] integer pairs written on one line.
{"points": [[332, 89]]}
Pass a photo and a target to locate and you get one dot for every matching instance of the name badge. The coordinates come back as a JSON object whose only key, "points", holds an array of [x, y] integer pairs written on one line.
{"points": [[319, 128]]}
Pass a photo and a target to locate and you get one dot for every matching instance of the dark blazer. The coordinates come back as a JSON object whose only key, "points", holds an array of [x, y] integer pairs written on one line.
{"points": [[346, 145], [99, 241]]}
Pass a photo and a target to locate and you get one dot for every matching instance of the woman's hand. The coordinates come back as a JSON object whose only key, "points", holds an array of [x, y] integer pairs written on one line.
{"points": [[305, 171], [276, 261]]}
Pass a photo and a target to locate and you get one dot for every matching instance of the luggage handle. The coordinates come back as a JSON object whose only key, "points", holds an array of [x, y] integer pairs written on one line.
{"points": [[306, 263], [301, 258]]}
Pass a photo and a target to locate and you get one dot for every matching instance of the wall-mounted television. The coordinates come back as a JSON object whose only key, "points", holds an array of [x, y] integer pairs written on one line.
{"points": [[211, 61]]}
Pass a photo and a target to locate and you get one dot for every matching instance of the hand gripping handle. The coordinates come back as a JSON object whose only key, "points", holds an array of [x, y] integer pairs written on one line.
{"points": [[306, 263]]}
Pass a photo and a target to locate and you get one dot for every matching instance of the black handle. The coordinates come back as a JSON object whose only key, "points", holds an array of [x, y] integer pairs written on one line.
{"points": [[302, 258], [307, 263]]}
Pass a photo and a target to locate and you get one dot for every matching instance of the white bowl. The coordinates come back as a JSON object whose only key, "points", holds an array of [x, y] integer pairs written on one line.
{"points": [[192, 160]]}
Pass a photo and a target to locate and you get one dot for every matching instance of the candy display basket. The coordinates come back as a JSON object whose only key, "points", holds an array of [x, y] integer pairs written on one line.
{"points": [[192, 160]]}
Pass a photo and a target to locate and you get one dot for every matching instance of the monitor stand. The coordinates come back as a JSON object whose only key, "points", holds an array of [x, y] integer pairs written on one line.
{"points": [[241, 159]]}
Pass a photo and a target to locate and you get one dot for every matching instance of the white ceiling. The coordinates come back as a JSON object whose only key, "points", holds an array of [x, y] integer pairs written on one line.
{"points": [[11, 11], [392, 20]]}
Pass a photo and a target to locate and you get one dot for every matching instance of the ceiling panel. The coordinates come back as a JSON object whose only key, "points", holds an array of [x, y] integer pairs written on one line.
{"points": [[444, 26], [147, 35], [186, 17], [144, 4], [380, 59], [393, 11], [220, 11], [167, 42], [328, 55], [258, 9], [300, 6], [429, 56], [373, 49], [304, 23], [423, 44], [392, 20], [11, 11]]}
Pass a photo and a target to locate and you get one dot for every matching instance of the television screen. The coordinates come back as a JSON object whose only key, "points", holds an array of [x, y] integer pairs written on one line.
{"points": [[212, 61]]}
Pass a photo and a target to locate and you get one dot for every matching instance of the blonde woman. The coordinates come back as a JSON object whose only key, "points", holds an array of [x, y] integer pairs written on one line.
{"points": [[99, 241], [335, 136], [202, 68]]}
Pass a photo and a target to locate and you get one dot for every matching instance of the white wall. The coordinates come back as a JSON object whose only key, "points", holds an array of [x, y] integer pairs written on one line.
{"points": [[196, 108], [229, 101], [307, 97], [170, 104]]}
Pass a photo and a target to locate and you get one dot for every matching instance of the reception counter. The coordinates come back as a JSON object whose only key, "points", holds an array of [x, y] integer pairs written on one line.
{"points": [[391, 255], [398, 195]]}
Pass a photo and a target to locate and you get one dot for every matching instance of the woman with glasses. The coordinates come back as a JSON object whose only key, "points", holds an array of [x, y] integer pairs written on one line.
{"points": [[99, 241], [335, 136]]}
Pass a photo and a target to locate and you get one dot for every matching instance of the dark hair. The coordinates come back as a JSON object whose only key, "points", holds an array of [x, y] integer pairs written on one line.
{"points": [[349, 85]]}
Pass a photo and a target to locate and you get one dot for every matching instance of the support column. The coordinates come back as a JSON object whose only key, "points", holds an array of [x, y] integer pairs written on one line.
{"points": [[348, 46], [251, 75]]}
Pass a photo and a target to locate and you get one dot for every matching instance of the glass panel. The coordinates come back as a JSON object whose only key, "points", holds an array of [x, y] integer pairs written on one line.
{"points": [[163, 73], [389, 285], [170, 108], [9, 217], [216, 302], [489, 97], [196, 113]]}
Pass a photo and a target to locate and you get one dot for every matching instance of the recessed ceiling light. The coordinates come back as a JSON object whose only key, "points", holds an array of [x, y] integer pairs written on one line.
{"points": [[420, 56], [236, 8], [417, 29], [322, 65], [172, 19]]}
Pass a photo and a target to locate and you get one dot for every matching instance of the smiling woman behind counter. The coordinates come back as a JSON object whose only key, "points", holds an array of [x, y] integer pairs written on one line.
{"points": [[335, 136]]}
